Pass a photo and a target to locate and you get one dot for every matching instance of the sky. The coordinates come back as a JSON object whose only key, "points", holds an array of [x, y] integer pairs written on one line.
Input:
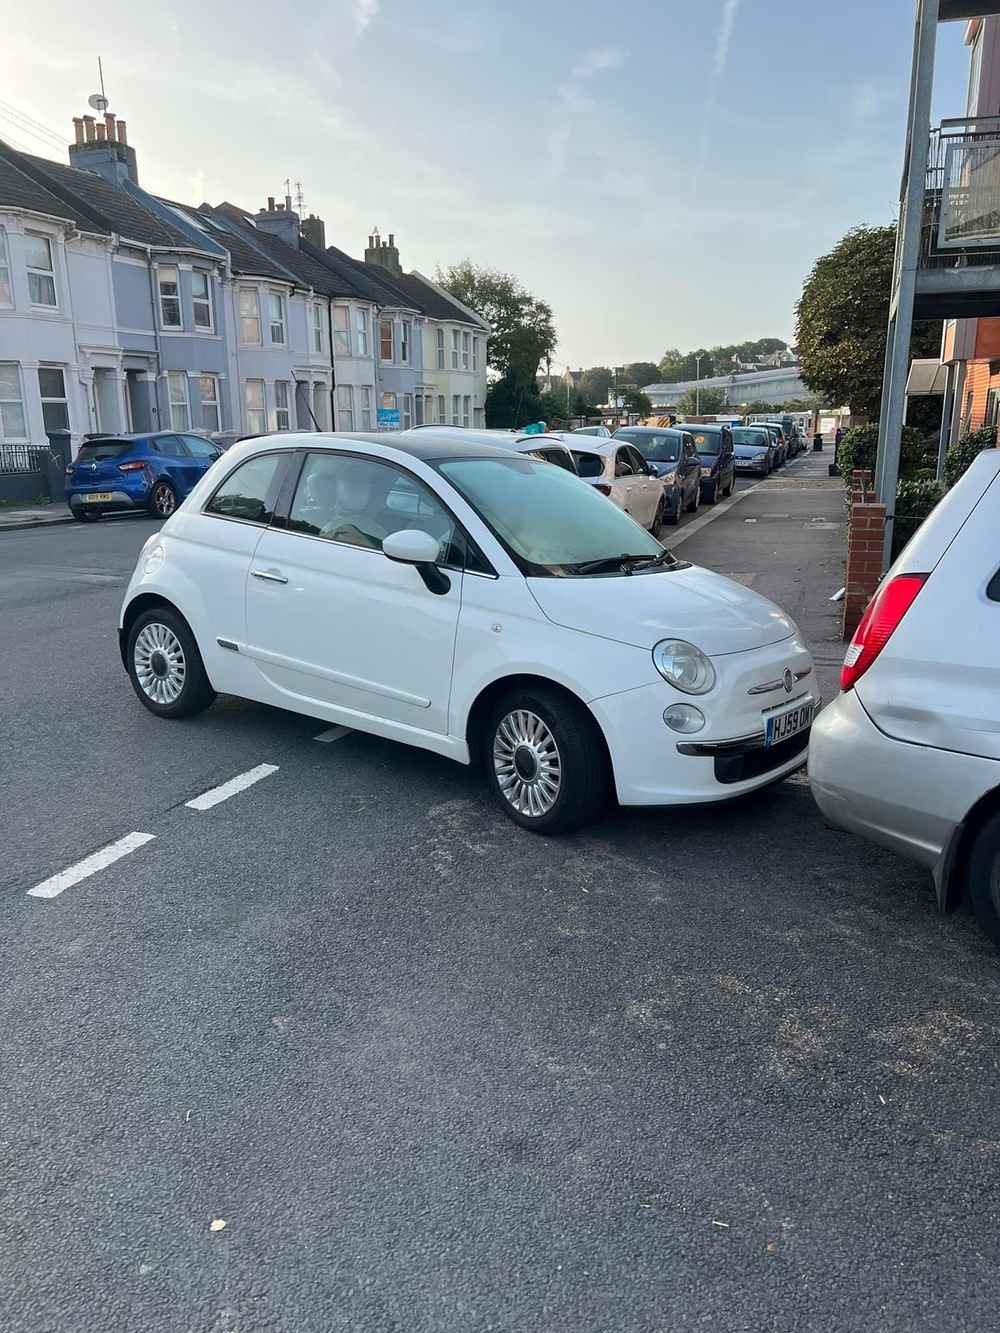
{"points": [[663, 172]]}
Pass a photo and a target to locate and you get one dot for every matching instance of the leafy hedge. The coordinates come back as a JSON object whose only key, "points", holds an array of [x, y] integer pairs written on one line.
{"points": [[914, 501], [961, 456], [860, 445]]}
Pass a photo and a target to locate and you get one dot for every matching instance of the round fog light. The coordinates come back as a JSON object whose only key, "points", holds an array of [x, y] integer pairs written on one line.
{"points": [[684, 718]]}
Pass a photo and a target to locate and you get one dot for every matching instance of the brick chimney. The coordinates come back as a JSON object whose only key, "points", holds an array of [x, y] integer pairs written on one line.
{"points": [[279, 220], [383, 254], [103, 148], [314, 232]]}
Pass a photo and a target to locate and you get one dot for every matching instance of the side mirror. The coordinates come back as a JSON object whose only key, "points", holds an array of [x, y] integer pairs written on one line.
{"points": [[422, 551]]}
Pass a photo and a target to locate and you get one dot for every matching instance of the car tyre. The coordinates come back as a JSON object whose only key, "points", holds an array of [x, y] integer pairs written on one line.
{"points": [[162, 500], [713, 493], [545, 762], [658, 516], [674, 517], [984, 878], [165, 666], [86, 515]]}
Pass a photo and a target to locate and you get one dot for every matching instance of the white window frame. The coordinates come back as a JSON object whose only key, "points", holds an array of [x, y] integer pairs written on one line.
{"points": [[361, 329], [258, 426], [382, 324], [466, 410], [19, 400], [5, 279], [43, 273], [475, 354], [441, 350], [62, 398], [319, 330], [466, 350], [342, 336], [273, 294], [180, 406], [210, 406], [254, 318], [282, 410], [365, 411], [456, 409], [405, 334], [456, 345], [442, 406], [161, 271], [206, 302], [407, 411], [345, 407]]}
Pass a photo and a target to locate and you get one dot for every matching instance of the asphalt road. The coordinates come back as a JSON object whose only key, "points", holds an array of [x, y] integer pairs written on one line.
{"points": [[717, 1069]]}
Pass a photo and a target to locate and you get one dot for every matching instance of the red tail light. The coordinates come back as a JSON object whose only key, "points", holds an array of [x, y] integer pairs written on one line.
{"points": [[131, 467], [600, 486], [878, 624]]}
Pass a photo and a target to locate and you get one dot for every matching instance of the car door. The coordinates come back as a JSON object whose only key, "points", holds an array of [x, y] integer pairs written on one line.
{"points": [[628, 482], [648, 490], [203, 454], [180, 467], [331, 621]]}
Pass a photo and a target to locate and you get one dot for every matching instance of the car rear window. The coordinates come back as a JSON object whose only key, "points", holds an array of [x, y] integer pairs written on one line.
{"points": [[588, 465], [94, 450], [708, 442]]}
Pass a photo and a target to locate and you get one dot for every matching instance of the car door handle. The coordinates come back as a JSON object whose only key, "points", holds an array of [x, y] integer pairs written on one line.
{"points": [[268, 575]]}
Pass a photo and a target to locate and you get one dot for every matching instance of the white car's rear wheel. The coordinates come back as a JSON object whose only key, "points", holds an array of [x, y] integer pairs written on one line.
{"points": [[984, 878]]}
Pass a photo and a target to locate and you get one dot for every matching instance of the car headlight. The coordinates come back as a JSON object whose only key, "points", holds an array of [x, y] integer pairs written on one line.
{"points": [[669, 478], [759, 457], [684, 666]]}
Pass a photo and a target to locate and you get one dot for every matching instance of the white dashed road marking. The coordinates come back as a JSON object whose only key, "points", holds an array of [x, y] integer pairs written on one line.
{"points": [[333, 734], [231, 788], [90, 865]]}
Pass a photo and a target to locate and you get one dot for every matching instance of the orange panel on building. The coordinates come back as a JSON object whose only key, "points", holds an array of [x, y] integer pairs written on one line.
{"points": [[988, 340]]}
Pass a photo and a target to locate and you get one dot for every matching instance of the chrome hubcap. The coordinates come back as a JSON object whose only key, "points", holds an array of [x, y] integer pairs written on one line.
{"points": [[163, 501], [160, 665], [527, 763]]}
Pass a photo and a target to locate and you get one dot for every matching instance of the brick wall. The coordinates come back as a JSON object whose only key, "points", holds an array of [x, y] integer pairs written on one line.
{"points": [[865, 536]]}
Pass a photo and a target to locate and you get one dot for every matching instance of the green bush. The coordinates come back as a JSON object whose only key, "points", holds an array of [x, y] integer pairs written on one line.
{"points": [[961, 456], [860, 445], [914, 501]]}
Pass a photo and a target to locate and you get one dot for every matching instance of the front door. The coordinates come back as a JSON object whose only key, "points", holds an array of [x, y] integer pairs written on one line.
{"points": [[331, 620]]}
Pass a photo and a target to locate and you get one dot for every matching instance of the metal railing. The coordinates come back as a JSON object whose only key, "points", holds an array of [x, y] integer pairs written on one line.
{"points": [[961, 222], [15, 458]]}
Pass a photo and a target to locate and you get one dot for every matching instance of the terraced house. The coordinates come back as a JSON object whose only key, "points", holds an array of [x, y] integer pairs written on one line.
{"points": [[124, 311]]}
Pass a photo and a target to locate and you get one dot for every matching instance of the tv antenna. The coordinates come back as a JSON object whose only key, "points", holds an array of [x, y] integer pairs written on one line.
{"points": [[98, 101], [300, 199]]}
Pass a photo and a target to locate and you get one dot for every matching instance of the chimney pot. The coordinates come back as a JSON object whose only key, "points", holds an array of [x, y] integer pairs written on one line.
{"points": [[392, 239], [288, 203], [109, 125], [281, 208], [78, 128], [270, 203], [102, 133], [88, 128], [121, 132]]}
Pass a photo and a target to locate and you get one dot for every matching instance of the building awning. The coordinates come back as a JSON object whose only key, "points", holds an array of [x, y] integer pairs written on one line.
{"points": [[926, 378]]}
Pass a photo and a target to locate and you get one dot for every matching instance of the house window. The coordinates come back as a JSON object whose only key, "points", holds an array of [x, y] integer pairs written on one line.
{"points": [[407, 410], [418, 409], [282, 406], [455, 346], [345, 407], [180, 407], [249, 315], [442, 410], [320, 400], [440, 349], [466, 350], [456, 407], [276, 314], [341, 330], [52, 391], [319, 341], [475, 354], [385, 339], [428, 409], [404, 342], [466, 409], [41, 275], [208, 392], [477, 417], [255, 405], [201, 299], [992, 407], [365, 394], [6, 293], [12, 423], [170, 301], [391, 410], [361, 325]]}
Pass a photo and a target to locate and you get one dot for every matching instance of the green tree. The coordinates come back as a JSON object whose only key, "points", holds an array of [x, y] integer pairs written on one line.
{"points": [[637, 401], [704, 403], [641, 373], [841, 321], [512, 403], [523, 330], [595, 384]]}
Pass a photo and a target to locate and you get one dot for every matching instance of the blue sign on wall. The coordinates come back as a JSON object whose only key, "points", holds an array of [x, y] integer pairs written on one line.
{"points": [[388, 418]]}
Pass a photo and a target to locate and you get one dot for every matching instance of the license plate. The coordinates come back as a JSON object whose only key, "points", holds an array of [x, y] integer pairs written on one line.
{"points": [[780, 726], [99, 497]]}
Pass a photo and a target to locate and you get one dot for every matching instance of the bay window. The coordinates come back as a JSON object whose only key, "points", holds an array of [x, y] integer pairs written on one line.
{"points": [[276, 314], [455, 346], [385, 339], [466, 346], [41, 274], [361, 329], [249, 316], [255, 406], [282, 406], [170, 300], [345, 407], [440, 349], [341, 330], [13, 426], [180, 405], [201, 299], [208, 392], [365, 394], [6, 290]]}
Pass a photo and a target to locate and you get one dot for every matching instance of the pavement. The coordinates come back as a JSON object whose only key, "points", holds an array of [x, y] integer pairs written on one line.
{"points": [[349, 1051], [13, 518]]}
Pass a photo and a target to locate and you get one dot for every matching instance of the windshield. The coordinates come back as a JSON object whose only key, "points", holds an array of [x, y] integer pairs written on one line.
{"points": [[758, 438], [663, 448], [588, 465], [95, 450], [549, 520], [708, 443]]}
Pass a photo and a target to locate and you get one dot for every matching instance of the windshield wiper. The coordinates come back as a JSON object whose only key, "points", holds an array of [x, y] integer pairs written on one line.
{"points": [[626, 563], [652, 561]]}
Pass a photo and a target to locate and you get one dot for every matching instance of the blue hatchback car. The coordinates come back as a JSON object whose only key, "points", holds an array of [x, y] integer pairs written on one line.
{"points": [[114, 474]]}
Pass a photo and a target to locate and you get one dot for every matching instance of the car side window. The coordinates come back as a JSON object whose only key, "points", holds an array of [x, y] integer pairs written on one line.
{"points": [[623, 464], [198, 447], [638, 462], [993, 588], [173, 446], [557, 457], [360, 502], [248, 492]]}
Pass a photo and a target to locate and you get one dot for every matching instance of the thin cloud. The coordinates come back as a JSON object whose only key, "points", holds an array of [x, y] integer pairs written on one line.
{"points": [[365, 11], [572, 102], [725, 37], [720, 59]]}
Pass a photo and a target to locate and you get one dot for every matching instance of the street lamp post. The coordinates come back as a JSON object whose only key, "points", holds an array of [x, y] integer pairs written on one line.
{"points": [[697, 386]]}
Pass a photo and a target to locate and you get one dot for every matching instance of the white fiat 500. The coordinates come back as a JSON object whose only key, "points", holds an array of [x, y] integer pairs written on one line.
{"points": [[485, 605]]}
